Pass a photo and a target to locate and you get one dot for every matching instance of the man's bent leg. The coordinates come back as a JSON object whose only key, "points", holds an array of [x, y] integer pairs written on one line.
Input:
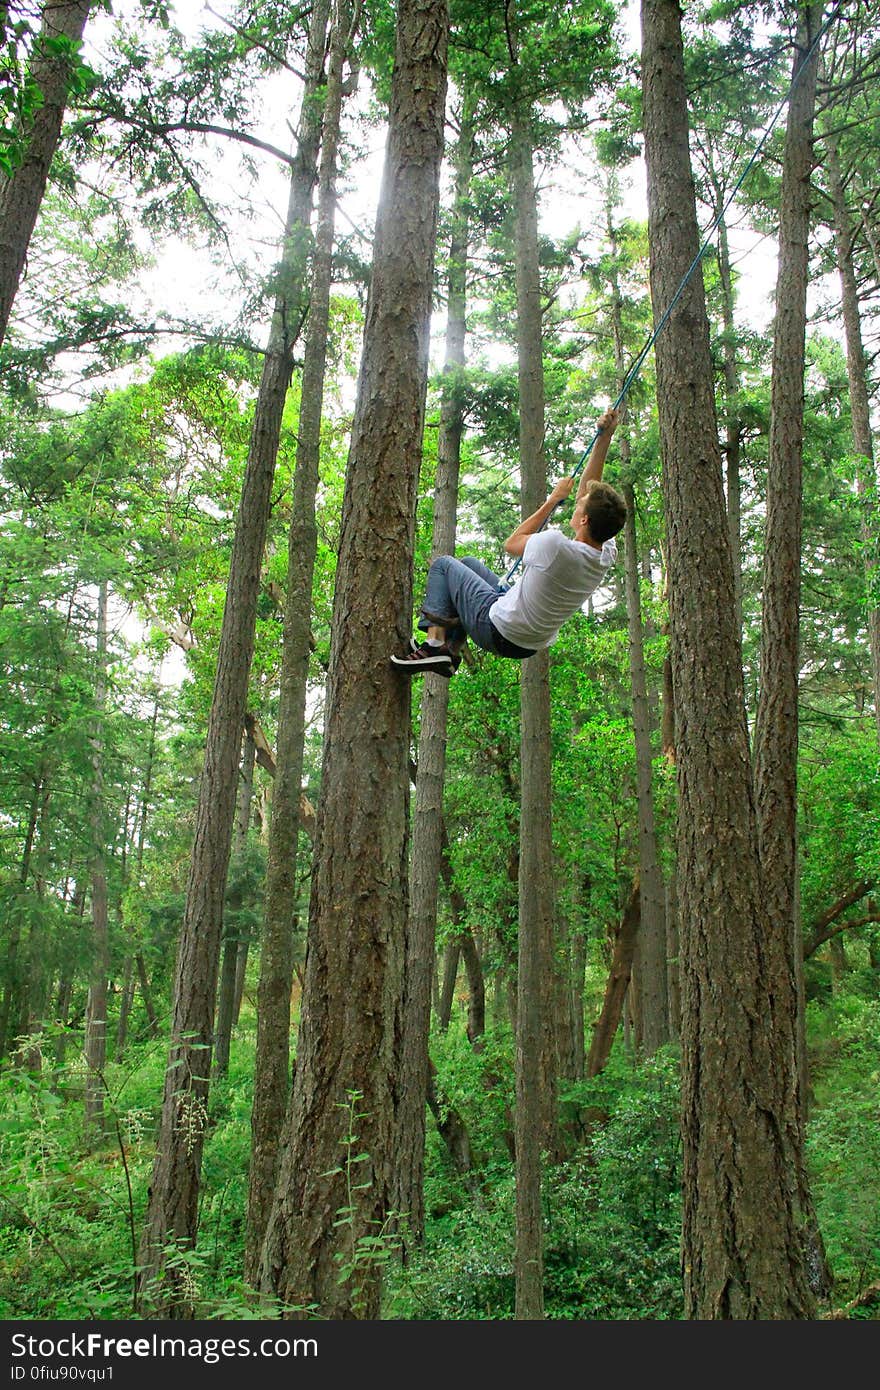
{"points": [[454, 588]]}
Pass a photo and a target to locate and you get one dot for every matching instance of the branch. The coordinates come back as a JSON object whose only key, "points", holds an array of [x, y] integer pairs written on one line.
{"points": [[819, 932], [302, 13], [206, 128]]}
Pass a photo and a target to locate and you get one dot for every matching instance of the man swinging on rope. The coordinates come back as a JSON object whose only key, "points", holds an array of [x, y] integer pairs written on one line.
{"points": [[465, 599]]}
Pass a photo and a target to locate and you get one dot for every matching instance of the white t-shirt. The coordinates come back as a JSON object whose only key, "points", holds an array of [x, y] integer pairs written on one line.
{"points": [[558, 577]]}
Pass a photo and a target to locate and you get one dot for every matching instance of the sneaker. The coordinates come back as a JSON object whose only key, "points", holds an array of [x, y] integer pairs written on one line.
{"points": [[420, 659], [455, 657]]}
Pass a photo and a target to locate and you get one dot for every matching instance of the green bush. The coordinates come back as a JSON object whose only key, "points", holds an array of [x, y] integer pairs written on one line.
{"points": [[611, 1218]]}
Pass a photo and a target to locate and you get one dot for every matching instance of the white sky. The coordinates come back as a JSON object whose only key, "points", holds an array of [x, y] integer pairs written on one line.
{"points": [[184, 281]]}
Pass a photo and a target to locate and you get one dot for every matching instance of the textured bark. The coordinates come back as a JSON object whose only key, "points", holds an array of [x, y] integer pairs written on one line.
{"points": [[172, 1212], [732, 425], [22, 192], [742, 1253], [859, 400], [336, 1174], [776, 723], [476, 1024], [95, 1046], [234, 902], [578, 981], [619, 974], [427, 829], [272, 1064], [673, 974], [451, 957], [667, 723], [535, 1080], [649, 965]]}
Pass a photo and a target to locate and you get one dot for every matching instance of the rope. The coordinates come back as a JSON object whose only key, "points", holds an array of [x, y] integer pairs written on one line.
{"points": [[637, 364]]}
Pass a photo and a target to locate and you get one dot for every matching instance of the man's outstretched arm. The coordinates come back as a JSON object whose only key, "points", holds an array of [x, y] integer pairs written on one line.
{"points": [[606, 425], [516, 541]]}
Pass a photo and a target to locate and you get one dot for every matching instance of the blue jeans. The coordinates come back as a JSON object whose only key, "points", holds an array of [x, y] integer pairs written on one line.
{"points": [[458, 597]]}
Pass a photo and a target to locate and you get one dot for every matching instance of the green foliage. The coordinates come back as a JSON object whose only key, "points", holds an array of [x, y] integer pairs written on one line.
{"points": [[843, 1148], [611, 1219], [68, 1231], [840, 815]]}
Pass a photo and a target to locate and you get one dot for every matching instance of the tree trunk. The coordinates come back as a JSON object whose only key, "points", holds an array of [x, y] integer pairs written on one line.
{"points": [[21, 192], [579, 972], [241, 964], [476, 1024], [147, 996], [673, 977], [427, 829], [172, 1213], [535, 1059], [96, 1009], [563, 1016], [860, 407], [742, 1254], [452, 1130], [234, 904], [649, 965], [776, 722], [619, 974], [272, 1063], [126, 999], [137, 960], [451, 957], [336, 1176], [732, 426]]}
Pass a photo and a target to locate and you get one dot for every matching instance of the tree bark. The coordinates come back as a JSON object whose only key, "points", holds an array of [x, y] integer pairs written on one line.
{"points": [[732, 425], [234, 903], [427, 829], [742, 1253], [331, 1195], [860, 406], [21, 193], [619, 975], [650, 959], [172, 1213], [535, 1079], [451, 958], [272, 1064], [776, 722], [96, 1008], [649, 964], [135, 967]]}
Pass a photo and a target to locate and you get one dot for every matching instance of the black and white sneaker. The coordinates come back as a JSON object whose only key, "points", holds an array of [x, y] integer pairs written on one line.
{"points": [[420, 659]]}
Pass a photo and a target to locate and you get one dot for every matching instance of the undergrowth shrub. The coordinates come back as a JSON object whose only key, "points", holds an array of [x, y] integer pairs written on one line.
{"points": [[611, 1218]]}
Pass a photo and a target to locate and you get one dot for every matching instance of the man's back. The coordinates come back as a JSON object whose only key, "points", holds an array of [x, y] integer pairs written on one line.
{"points": [[559, 575]]}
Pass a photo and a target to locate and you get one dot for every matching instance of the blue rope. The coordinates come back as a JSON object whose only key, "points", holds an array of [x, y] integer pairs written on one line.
{"points": [[664, 318]]}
